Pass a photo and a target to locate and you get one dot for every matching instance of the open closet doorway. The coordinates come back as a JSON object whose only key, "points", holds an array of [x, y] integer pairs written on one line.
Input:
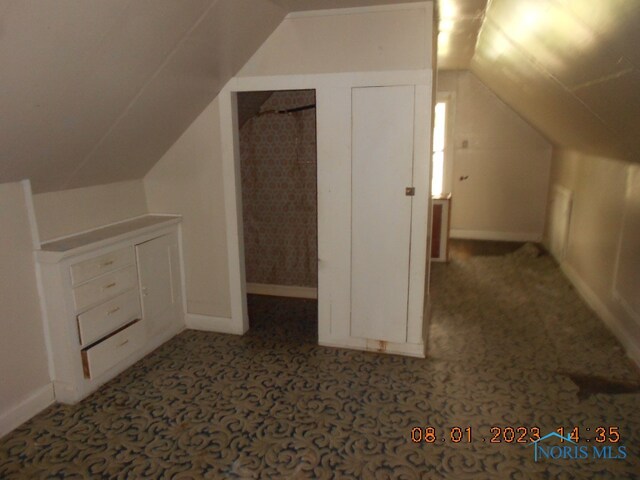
{"points": [[277, 143]]}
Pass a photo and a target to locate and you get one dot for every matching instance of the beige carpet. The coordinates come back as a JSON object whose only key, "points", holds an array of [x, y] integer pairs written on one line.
{"points": [[511, 345]]}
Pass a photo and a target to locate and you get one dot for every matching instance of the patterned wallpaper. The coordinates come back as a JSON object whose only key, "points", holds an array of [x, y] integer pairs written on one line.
{"points": [[279, 194]]}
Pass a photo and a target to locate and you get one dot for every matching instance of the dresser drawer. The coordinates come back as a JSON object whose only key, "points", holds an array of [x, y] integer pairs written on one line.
{"points": [[88, 269], [112, 350], [108, 317], [104, 287]]}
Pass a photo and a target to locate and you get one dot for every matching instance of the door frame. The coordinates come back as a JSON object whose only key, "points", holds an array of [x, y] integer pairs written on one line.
{"points": [[331, 308], [449, 98]]}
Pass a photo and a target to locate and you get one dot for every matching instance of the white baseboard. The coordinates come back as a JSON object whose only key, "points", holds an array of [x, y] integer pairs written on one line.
{"points": [[610, 320], [282, 290], [212, 324], [497, 236], [29, 407], [406, 349]]}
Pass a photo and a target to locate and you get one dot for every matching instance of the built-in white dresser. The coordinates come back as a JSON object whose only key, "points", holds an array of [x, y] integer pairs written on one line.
{"points": [[111, 296]]}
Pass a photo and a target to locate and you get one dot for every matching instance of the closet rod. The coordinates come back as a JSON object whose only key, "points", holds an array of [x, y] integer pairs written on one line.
{"points": [[288, 110]]}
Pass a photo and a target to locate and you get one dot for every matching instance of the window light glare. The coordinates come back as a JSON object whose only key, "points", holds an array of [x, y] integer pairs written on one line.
{"points": [[439, 138]]}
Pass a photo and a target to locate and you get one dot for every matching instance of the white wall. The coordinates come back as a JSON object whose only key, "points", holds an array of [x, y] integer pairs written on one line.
{"points": [[188, 181], [507, 163], [25, 386], [71, 211], [603, 191], [381, 39]]}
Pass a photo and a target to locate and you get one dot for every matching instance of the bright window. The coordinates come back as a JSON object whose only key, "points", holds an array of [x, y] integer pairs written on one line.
{"points": [[439, 133]]}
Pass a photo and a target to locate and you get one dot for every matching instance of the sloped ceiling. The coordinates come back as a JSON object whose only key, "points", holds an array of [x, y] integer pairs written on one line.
{"points": [[459, 25], [570, 67], [302, 5], [95, 92]]}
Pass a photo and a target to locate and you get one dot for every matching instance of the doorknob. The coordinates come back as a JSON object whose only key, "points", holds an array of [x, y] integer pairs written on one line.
{"points": [[410, 191], [464, 177]]}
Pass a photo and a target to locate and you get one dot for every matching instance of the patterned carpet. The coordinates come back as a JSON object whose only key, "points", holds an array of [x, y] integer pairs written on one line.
{"points": [[509, 344]]}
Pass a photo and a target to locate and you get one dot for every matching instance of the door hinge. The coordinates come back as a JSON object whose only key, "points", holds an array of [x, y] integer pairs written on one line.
{"points": [[410, 191]]}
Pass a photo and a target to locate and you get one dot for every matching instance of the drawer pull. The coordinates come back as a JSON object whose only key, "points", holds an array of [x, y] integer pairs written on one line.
{"points": [[106, 264], [123, 343], [112, 311], [111, 285]]}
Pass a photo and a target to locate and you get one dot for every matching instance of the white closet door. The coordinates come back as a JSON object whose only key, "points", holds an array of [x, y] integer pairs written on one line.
{"points": [[159, 273], [382, 167]]}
